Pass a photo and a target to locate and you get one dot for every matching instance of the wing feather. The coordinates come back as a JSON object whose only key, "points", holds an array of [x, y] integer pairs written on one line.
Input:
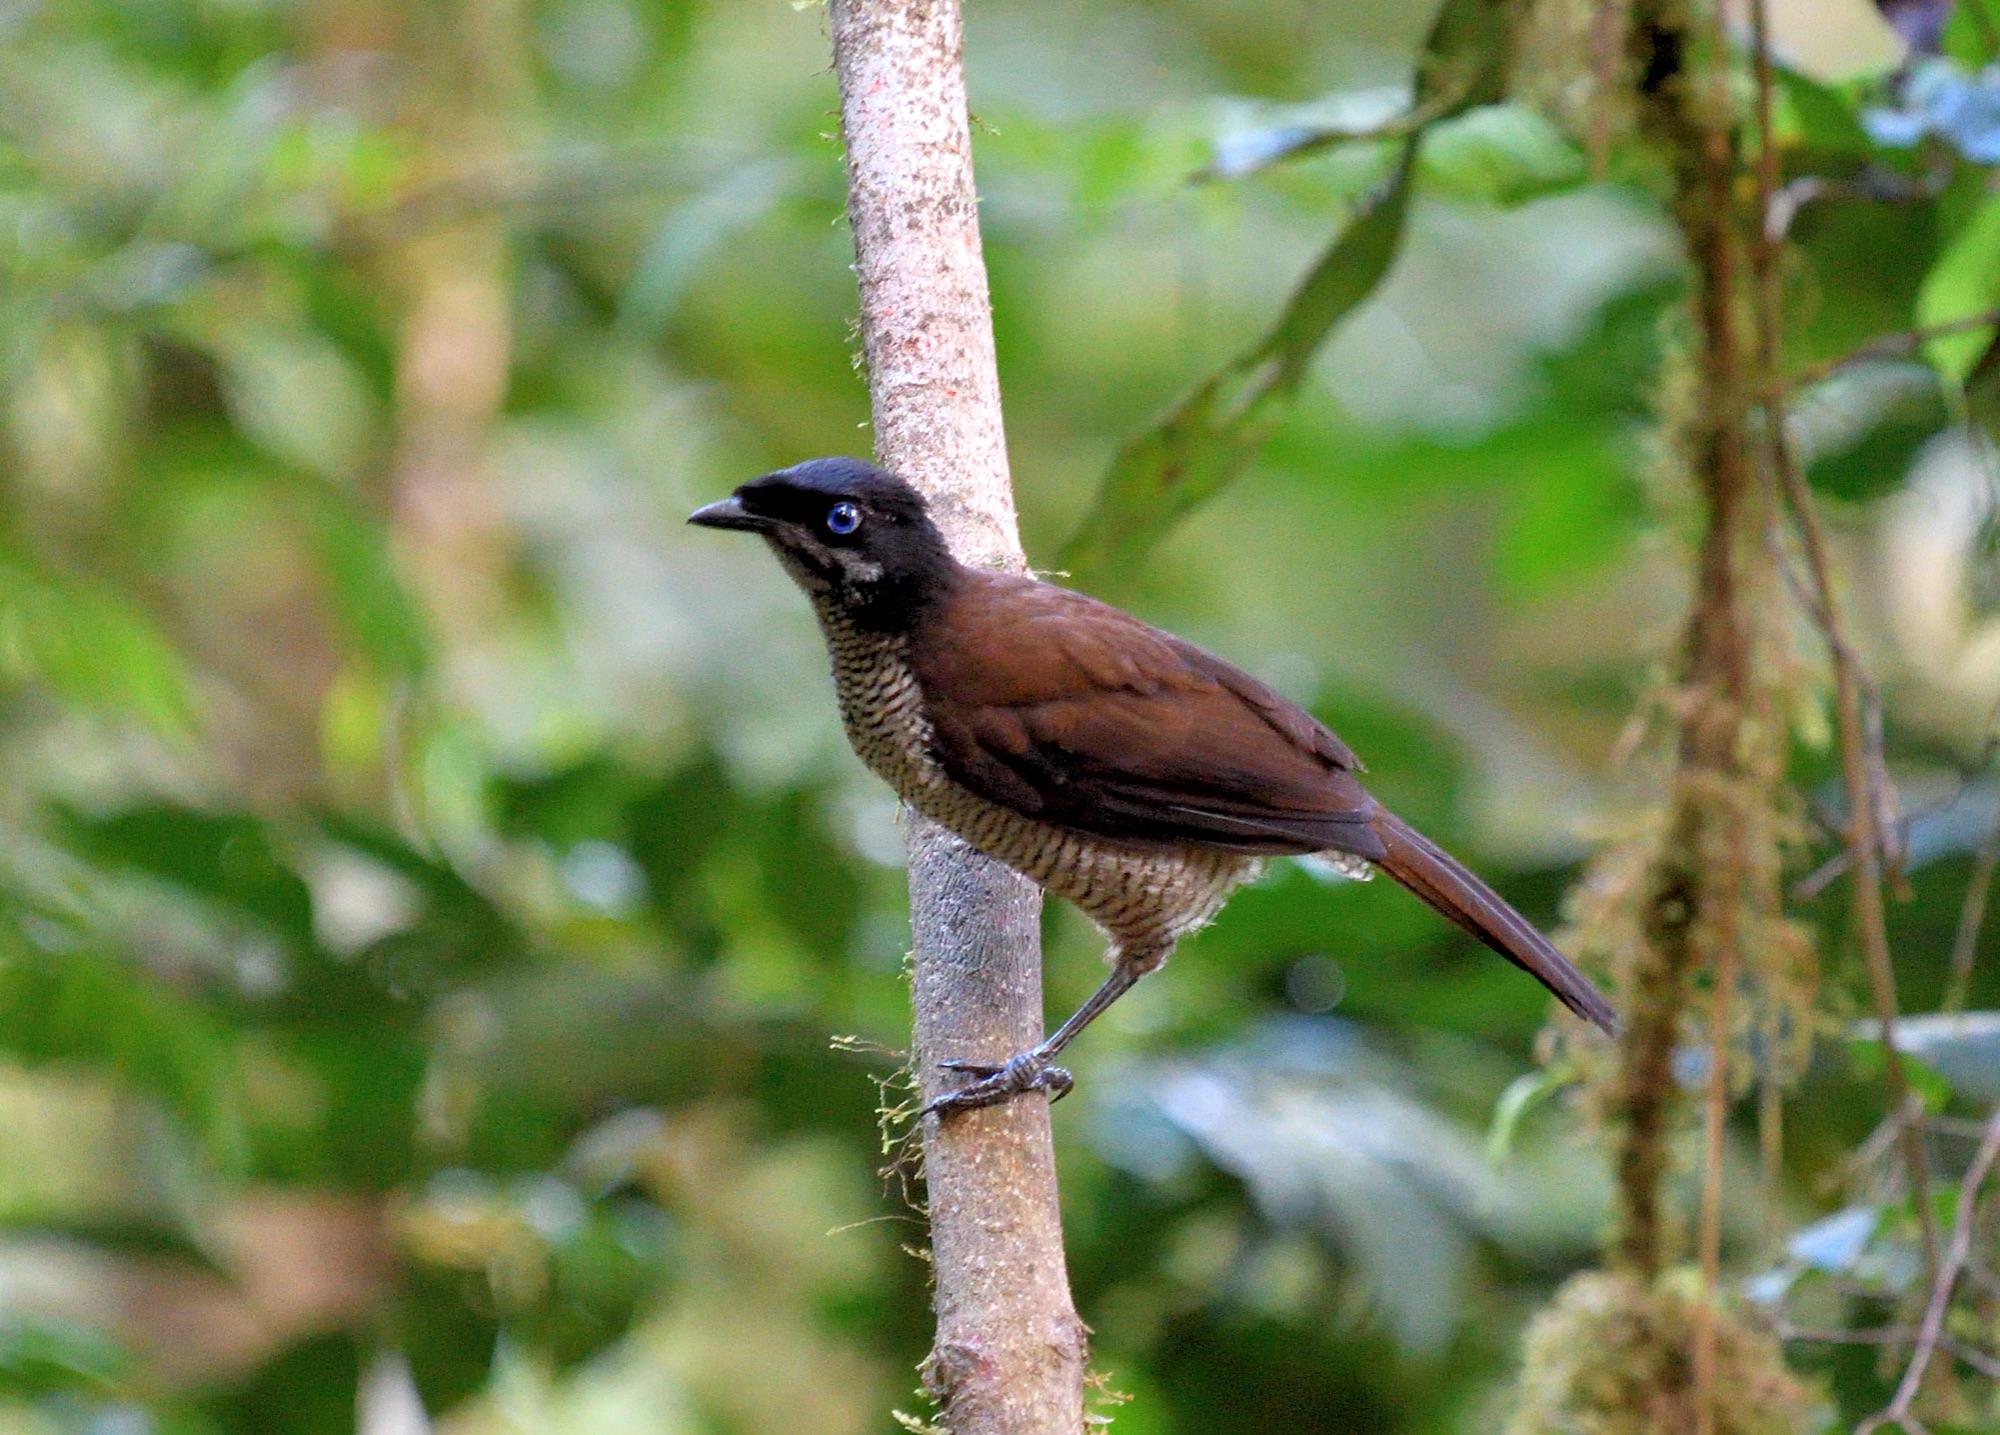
{"points": [[1063, 708]]}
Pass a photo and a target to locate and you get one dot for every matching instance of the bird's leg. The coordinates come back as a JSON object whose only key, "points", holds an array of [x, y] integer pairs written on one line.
{"points": [[1031, 1071]]}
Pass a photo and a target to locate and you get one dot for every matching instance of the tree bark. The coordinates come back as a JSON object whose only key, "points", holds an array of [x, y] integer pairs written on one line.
{"points": [[1010, 1351]]}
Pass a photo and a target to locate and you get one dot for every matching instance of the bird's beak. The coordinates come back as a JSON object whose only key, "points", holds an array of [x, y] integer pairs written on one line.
{"points": [[729, 513]]}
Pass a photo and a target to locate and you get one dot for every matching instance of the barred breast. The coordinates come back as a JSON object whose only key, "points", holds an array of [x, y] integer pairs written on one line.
{"points": [[1144, 900]]}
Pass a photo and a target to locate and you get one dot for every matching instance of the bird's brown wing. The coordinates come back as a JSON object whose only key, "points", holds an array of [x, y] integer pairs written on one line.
{"points": [[1060, 707], [1063, 708]]}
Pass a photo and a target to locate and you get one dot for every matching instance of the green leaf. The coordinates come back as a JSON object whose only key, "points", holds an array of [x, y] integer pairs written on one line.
{"points": [[1982, 391], [84, 1156], [1577, 513], [232, 860], [1932, 1087], [296, 395], [309, 1389], [42, 1354], [1464, 60], [457, 930], [1285, 135], [1463, 65], [1823, 120], [1501, 154], [374, 605], [1346, 274], [79, 1008], [1890, 412], [1524, 1095], [598, 1283], [446, 1328], [1963, 283], [1211, 436], [90, 645], [1968, 34], [691, 232]]}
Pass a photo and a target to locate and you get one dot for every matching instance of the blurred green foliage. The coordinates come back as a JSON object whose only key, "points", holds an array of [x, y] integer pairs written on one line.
{"points": [[430, 877]]}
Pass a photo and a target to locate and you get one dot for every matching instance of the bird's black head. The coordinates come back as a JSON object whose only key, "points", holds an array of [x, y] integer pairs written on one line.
{"points": [[849, 534]]}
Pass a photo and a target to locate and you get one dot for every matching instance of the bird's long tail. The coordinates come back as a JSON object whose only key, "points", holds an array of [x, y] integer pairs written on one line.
{"points": [[1455, 894]]}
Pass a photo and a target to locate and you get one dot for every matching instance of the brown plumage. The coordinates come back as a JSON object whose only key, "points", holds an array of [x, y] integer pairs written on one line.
{"points": [[1116, 765]]}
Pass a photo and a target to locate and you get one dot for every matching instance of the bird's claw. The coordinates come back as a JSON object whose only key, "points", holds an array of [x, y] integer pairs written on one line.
{"points": [[994, 1084]]}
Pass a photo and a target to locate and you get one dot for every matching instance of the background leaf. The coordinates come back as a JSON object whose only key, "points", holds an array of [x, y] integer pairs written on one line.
{"points": [[431, 874], [1964, 282]]}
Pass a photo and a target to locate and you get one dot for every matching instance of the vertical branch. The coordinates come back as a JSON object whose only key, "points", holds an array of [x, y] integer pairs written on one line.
{"points": [[1699, 883], [1864, 838], [1771, 1140], [1971, 917], [1715, 1119], [1010, 1352]]}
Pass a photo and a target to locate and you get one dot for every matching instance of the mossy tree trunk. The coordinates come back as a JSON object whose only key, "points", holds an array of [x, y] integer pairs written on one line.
{"points": [[1010, 1352]]}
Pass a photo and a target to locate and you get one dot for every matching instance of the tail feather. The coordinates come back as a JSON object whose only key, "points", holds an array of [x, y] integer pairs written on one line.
{"points": [[1445, 886]]}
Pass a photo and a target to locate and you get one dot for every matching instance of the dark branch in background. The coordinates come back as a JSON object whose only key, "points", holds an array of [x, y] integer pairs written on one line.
{"points": [[1982, 390], [1971, 917], [1211, 436], [1693, 903], [1715, 1122], [1861, 763], [1899, 345], [1715, 1114], [1982, 1361], [1010, 1352]]}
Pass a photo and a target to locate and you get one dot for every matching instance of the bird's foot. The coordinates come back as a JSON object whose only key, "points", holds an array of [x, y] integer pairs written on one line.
{"points": [[1030, 1071]]}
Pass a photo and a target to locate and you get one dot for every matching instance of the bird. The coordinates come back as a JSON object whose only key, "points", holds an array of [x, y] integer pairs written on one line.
{"points": [[1124, 769]]}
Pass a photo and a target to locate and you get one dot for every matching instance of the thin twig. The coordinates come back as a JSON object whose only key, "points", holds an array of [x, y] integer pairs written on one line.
{"points": [[1890, 346], [1976, 1274], [1955, 1126], [1891, 839], [1983, 1361], [1887, 1137], [1863, 801], [1836, 864], [1864, 846], [1418, 117], [1771, 1136], [1783, 207], [1715, 1118], [1931, 1332], [1971, 917], [1973, 914], [1813, 1335], [1606, 44], [1875, 183], [1890, 835]]}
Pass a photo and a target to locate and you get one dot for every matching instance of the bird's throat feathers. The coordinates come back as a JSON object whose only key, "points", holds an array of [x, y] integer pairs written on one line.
{"points": [[863, 592]]}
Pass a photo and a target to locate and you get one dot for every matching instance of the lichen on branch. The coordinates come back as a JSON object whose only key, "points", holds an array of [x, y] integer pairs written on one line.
{"points": [[1687, 915]]}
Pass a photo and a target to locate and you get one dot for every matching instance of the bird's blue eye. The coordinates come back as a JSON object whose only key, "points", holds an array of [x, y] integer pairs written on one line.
{"points": [[843, 518]]}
